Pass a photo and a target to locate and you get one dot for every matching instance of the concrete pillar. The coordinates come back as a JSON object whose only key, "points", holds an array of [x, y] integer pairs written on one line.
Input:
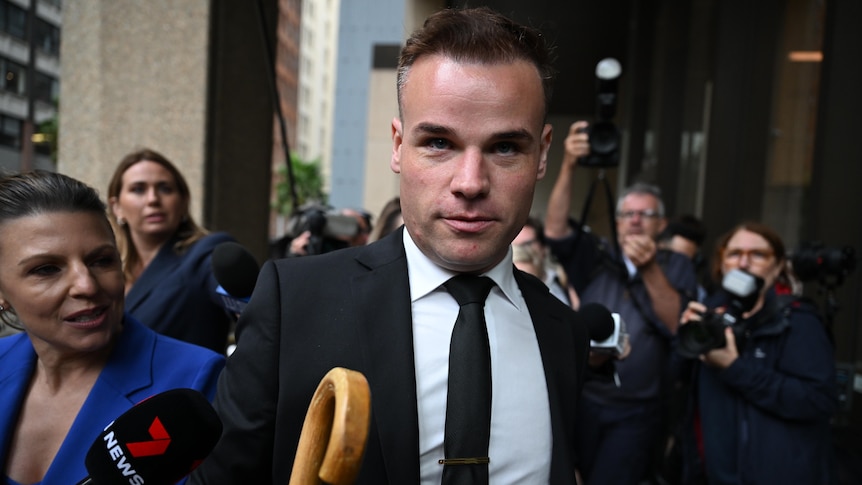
{"points": [[188, 78]]}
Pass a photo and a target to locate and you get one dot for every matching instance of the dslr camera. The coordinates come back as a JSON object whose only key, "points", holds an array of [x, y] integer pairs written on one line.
{"points": [[698, 337], [604, 135], [329, 229], [814, 261]]}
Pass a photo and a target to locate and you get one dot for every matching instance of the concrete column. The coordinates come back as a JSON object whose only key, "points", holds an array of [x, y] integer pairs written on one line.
{"points": [[190, 79]]}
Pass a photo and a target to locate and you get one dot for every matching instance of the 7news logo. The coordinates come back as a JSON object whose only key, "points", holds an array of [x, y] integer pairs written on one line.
{"points": [[154, 447]]}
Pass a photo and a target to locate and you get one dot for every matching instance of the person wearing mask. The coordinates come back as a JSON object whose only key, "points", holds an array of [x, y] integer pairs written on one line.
{"points": [[469, 144], [80, 361], [166, 255], [762, 402]]}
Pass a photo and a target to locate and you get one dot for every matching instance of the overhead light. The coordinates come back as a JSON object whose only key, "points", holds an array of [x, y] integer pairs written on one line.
{"points": [[805, 56]]}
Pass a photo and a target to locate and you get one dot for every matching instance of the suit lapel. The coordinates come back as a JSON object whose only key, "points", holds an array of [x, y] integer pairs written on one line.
{"points": [[124, 374], [554, 334], [16, 368], [154, 275], [388, 349]]}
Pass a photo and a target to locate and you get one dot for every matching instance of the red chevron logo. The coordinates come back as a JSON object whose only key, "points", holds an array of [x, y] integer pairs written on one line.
{"points": [[158, 445]]}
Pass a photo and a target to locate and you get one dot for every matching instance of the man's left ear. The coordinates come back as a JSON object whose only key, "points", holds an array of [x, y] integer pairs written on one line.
{"points": [[397, 141]]}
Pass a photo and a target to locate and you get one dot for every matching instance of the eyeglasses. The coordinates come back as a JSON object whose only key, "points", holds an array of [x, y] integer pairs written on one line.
{"points": [[757, 256], [644, 214]]}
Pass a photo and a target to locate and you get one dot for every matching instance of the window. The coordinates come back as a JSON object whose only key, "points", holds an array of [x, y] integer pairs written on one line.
{"points": [[13, 20], [14, 77], [10, 131], [45, 88], [47, 37]]}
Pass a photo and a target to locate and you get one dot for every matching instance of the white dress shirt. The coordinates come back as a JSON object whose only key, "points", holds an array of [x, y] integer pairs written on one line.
{"points": [[520, 445]]}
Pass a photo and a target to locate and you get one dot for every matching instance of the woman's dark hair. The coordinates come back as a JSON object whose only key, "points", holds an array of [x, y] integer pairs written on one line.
{"points": [[42, 192], [188, 231]]}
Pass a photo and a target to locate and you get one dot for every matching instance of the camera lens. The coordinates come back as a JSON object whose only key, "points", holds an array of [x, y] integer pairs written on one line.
{"points": [[604, 138], [697, 338], [814, 261]]}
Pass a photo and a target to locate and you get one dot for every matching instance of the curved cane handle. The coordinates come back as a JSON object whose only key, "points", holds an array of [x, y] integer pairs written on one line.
{"points": [[332, 442]]}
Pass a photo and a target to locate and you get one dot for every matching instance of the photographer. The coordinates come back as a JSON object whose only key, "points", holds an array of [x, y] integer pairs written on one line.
{"points": [[621, 417], [764, 399], [317, 230]]}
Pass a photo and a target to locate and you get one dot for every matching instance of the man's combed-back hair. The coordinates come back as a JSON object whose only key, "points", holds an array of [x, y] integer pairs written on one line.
{"points": [[478, 35]]}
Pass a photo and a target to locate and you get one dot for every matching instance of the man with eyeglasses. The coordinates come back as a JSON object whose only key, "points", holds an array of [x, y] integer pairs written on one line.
{"points": [[621, 418]]}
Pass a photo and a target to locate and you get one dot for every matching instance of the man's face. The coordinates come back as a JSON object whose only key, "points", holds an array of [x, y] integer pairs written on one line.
{"points": [[638, 214], [470, 146]]}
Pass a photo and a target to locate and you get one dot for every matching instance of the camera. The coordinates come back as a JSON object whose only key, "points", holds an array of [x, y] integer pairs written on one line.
{"points": [[815, 261], [329, 230], [604, 135], [741, 290]]}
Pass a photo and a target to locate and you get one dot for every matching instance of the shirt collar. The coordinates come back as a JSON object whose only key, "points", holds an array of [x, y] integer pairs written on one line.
{"points": [[425, 276]]}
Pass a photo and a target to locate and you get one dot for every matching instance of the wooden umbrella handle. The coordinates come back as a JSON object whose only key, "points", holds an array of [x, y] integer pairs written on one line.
{"points": [[332, 442]]}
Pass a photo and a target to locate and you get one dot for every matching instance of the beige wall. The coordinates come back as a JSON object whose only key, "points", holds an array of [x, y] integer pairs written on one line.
{"points": [[134, 74], [190, 79], [381, 184]]}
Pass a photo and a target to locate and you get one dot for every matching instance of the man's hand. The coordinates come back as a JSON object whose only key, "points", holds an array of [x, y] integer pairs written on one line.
{"points": [[577, 143], [299, 244], [639, 248]]}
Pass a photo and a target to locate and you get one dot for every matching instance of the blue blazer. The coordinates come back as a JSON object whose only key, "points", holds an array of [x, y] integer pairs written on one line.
{"points": [[175, 295], [143, 364]]}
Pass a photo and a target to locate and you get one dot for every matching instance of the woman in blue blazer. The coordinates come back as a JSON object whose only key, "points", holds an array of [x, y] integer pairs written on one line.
{"points": [[166, 255], [80, 362]]}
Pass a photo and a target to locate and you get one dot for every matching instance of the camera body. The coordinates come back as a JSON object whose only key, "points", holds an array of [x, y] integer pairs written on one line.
{"points": [[329, 230], [605, 137], [814, 261], [698, 337]]}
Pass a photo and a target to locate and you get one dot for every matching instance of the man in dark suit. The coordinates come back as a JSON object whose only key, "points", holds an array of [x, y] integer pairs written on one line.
{"points": [[469, 144]]}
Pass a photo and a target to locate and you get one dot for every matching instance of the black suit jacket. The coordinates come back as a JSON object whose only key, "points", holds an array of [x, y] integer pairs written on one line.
{"points": [[351, 308]]}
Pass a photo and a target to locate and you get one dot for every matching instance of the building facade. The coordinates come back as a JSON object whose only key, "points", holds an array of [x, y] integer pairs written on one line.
{"points": [[29, 93]]}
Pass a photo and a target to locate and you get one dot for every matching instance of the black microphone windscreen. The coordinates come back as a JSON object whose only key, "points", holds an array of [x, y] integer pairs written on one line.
{"points": [[235, 269], [598, 320], [158, 441]]}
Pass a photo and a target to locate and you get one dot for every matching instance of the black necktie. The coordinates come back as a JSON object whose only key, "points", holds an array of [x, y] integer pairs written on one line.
{"points": [[468, 403]]}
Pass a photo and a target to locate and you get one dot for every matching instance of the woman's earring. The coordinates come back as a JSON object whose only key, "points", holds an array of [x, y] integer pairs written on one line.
{"points": [[121, 221], [2, 308]]}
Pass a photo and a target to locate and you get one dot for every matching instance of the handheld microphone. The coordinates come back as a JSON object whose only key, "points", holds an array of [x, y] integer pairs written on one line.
{"points": [[607, 330], [158, 441], [235, 269]]}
